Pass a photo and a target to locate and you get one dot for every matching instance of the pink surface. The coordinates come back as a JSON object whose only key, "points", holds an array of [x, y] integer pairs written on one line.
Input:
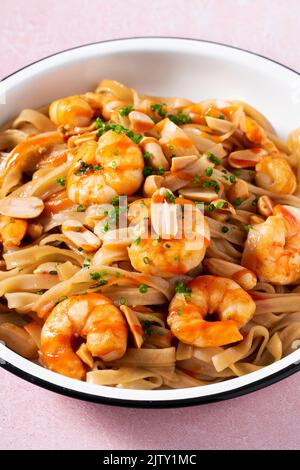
{"points": [[32, 418]]}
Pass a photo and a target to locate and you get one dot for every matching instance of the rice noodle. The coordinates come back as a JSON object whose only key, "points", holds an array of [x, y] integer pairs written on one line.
{"points": [[205, 152]]}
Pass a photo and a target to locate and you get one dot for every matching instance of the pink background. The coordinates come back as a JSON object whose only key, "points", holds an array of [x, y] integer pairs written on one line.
{"points": [[33, 418]]}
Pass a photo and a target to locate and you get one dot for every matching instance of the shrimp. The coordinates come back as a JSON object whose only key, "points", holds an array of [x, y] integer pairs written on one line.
{"points": [[92, 317], [273, 171], [275, 174], [73, 110], [103, 170], [192, 305], [272, 248], [170, 252], [12, 231], [79, 110], [26, 156]]}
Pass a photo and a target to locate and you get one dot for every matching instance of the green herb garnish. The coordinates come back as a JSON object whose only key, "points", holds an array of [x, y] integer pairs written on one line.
{"points": [[170, 197], [179, 118], [220, 204], [125, 110], [238, 201], [208, 171], [143, 288], [84, 168], [95, 276], [61, 181], [213, 158], [148, 170], [158, 109], [105, 227], [137, 241], [147, 155], [182, 288]]}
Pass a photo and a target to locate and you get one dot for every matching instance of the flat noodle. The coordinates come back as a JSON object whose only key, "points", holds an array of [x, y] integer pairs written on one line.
{"points": [[148, 357], [62, 236], [234, 354], [39, 254], [126, 377], [38, 120]]}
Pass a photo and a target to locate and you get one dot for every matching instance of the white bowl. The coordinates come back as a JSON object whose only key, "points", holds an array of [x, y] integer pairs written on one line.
{"points": [[163, 66]]}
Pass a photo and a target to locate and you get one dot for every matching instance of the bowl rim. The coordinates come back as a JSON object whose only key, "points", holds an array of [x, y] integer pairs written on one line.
{"points": [[286, 371]]}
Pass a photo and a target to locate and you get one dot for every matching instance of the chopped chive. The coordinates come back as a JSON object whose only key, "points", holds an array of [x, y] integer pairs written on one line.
{"points": [[161, 171], [84, 168], [137, 241], [97, 167], [247, 227], [220, 204], [148, 170], [115, 201], [53, 273], [196, 179], [147, 155], [225, 229], [146, 260], [182, 288], [213, 158], [99, 284], [208, 171], [238, 201], [87, 262], [143, 288], [179, 118], [118, 129], [210, 207], [158, 109], [232, 179], [255, 201], [212, 184], [61, 181], [95, 276], [99, 123], [125, 110], [136, 138], [80, 208], [170, 197], [105, 227]]}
